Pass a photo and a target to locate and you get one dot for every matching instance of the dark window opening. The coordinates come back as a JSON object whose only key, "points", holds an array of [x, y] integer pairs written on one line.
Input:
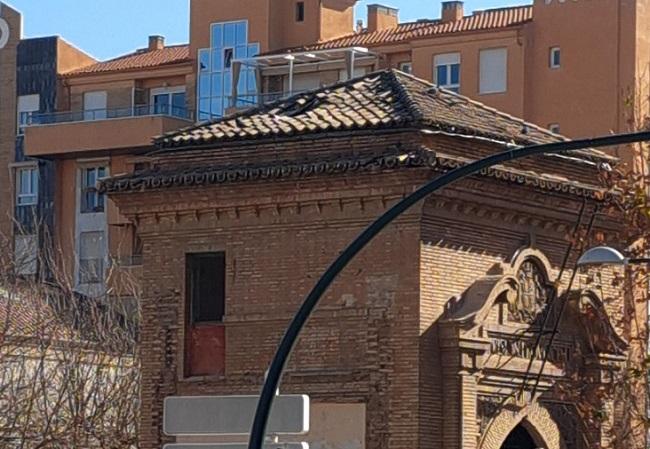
{"points": [[228, 54], [205, 337], [140, 167], [300, 12], [92, 201], [137, 249], [138, 246], [556, 57], [206, 287]]}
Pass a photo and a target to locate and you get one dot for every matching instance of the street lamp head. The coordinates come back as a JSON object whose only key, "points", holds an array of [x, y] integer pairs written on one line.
{"points": [[602, 255]]}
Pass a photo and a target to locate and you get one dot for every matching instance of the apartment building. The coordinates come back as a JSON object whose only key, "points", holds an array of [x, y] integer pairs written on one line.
{"points": [[68, 120], [102, 122], [535, 62], [30, 72], [90, 119], [109, 112], [573, 67]]}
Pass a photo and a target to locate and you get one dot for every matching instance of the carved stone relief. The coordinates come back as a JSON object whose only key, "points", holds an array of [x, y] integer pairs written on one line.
{"points": [[532, 294]]}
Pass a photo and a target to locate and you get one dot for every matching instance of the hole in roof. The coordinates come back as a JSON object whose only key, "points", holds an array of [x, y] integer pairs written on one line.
{"points": [[301, 105]]}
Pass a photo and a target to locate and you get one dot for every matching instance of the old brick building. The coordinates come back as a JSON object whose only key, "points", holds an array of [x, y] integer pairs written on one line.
{"points": [[425, 338]]}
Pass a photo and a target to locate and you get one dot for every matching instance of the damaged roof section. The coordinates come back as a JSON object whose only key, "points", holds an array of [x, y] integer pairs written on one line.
{"points": [[382, 100]]}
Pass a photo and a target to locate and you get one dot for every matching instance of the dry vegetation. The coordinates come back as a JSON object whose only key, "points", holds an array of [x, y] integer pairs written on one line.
{"points": [[69, 371]]}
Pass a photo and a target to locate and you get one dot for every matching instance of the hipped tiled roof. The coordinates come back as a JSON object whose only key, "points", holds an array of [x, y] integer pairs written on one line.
{"points": [[490, 19], [383, 100], [138, 60]]}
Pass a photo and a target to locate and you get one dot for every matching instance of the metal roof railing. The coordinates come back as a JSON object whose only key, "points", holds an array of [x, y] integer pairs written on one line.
{"points": [[34, 119]]}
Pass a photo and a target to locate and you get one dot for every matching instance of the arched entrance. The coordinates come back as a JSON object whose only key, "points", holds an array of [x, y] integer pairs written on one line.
{"points": [[519, 438]]}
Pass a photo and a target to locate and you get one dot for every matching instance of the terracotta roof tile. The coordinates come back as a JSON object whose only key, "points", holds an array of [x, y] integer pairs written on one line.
{"points": [[481, 20], [382, 100], [28, 315], [140, 59]]}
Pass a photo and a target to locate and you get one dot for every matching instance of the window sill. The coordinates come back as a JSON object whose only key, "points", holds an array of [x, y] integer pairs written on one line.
{"points": [[502, 92], [197, 379]]}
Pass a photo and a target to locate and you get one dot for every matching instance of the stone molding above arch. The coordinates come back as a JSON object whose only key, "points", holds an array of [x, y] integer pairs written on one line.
{"points": [[478, 300], [534, 417], [527, 253]]}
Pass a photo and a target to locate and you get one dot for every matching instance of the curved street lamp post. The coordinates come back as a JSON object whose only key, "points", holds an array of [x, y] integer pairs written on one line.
{"points": [[300, 319]]}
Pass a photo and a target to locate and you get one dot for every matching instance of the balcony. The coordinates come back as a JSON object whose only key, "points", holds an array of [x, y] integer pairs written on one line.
{"points": [[286, 74], [96, 130]]}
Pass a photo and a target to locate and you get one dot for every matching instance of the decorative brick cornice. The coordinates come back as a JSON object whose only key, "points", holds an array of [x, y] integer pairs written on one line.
{"points": [[281, 170]]}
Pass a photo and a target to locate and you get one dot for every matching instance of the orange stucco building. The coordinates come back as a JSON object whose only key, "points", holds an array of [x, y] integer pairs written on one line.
{"points": [[109, 112], [571, 66], [574, 67]]}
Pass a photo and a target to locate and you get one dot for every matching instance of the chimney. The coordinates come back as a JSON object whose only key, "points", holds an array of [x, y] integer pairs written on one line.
{"points": [[452, 11], [156, 43], [382, 17]]}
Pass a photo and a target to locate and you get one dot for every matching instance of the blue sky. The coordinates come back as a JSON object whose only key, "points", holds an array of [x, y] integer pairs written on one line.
{"points": [[107, 28]]}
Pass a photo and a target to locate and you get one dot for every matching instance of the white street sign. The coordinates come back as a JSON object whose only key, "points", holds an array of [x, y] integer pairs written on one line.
{"points": [[233, 415], [235, 446]]}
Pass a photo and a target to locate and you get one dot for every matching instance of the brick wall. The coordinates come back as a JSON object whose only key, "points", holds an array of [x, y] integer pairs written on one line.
{"points": [[362, 344], [373, 339]]}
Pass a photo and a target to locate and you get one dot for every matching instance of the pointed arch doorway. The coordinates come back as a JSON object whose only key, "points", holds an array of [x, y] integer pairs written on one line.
{"points": [[520, 438]]}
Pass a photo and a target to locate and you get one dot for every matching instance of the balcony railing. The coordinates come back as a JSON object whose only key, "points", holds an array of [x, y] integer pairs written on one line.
{"points": [[31, 118]]}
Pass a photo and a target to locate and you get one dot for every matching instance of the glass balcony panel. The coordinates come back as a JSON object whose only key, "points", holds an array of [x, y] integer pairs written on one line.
{"points": [[230, 32], [253, 50], [204, 60], [217, 35], [217, 59], [242, 33]]}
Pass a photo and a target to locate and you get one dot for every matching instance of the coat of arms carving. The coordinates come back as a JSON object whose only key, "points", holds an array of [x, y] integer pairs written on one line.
{"points": [[532, 293]]}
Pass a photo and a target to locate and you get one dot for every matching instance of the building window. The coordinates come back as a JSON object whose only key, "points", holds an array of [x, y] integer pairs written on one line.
{"points": [[91, 257], [27, 105], [555, 58], [554, 128], [169, 102], [493, 67], [228, 54], [92, 201], [138, 247], [206, 287], [406, 67], [205, 295], [228, 43], [447, 71], [95, 104], [300, 11], [27, 186]]}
